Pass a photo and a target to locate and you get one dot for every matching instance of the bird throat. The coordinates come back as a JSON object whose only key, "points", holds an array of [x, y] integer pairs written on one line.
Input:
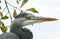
{"points": [[15, 28]]}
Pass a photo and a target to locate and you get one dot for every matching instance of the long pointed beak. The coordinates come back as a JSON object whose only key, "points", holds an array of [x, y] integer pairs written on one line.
{"points": [[44, 19], [38, 20]]}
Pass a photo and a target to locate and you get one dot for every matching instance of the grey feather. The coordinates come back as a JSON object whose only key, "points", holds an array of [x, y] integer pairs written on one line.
{"points": [[8, 36]]}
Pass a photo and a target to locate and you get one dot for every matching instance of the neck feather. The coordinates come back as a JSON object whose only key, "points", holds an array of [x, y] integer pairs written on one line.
{"points": [[15, 27]]}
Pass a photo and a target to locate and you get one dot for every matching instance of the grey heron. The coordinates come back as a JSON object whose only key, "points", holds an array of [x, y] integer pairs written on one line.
{"points": [[19, 22], [24, 19]]}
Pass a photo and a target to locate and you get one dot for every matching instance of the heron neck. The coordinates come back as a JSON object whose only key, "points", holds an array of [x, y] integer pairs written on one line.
{"points": [[15, 27]]}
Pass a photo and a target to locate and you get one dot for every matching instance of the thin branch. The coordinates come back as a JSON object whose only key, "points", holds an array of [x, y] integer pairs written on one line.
{"points": [[12, 6], [8, 10], [3, 9]]}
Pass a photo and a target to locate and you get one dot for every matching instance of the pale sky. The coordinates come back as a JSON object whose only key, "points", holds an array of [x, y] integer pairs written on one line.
{"points": [[47, 8]]}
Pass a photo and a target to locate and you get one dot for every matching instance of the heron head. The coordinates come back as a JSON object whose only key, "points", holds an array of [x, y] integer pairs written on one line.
{"points": [[28, 18]]}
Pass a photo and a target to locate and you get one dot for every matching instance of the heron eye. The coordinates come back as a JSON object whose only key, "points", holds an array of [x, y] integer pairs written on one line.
{"points": [[28, 17]]}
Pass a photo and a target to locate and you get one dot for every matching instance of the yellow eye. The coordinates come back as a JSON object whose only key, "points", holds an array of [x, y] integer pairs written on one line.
{"points": [[28, 17]]}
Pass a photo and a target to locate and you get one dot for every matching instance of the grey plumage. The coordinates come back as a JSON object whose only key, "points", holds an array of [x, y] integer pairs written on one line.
{"points": [[8, 36], [22, 33]]}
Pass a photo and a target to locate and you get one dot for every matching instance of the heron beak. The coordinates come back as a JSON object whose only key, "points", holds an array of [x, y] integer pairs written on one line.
{"points": [[38, 20], [44, 19]]}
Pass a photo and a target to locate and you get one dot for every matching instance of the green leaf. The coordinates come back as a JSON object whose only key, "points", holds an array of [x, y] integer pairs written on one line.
{"points": [[14, 13], [17, 1], [0, 7], [5, 17], [24, 2], [21, 11], [3, 27], [1, 14], [32, 10]]}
